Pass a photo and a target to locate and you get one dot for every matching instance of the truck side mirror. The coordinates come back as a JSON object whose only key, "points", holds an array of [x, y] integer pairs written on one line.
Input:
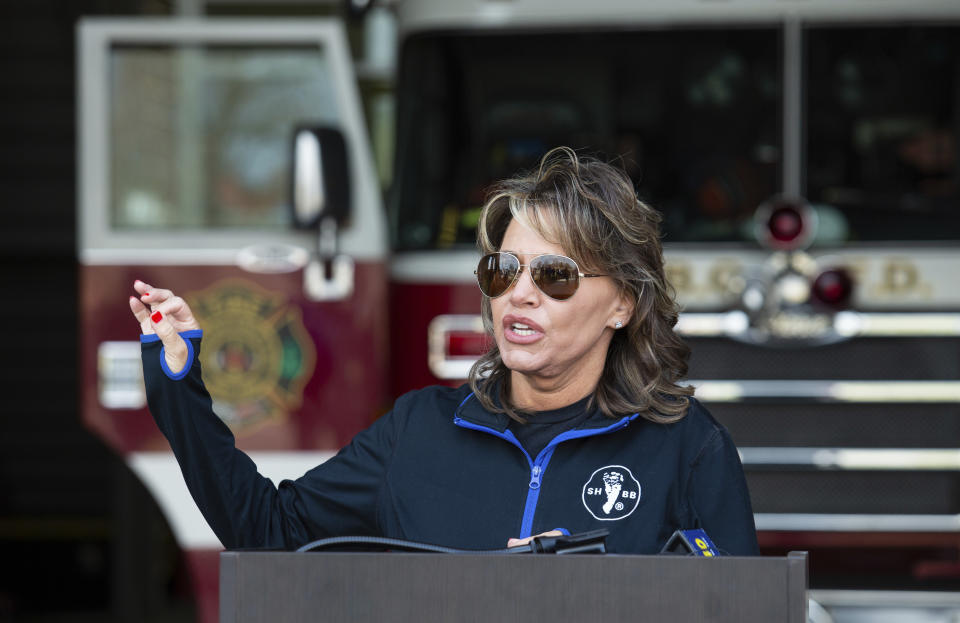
{"points": [[320, 200], [320, 181]]}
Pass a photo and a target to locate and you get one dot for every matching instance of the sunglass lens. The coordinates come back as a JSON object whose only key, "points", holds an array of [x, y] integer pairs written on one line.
{"points": [[496, 272], [555, 275]]}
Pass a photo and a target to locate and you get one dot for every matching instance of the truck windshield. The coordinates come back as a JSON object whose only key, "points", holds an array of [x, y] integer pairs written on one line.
{"points": [[695, 116], [692, 115], [883, 117]]}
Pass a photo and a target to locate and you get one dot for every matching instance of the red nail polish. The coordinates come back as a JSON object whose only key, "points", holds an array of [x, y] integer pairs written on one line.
{"points": [[145, 294], [156, 317]]}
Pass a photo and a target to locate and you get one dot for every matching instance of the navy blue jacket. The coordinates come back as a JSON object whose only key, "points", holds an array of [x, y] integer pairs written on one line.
{"points": [[441, 469]]}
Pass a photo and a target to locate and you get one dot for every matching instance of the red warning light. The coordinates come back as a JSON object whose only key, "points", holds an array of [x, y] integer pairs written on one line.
{"points": [[785, 223], [833, 287]]}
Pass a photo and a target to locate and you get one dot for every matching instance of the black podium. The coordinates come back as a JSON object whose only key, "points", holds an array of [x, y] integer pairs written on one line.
{"points": [[280, 586]]}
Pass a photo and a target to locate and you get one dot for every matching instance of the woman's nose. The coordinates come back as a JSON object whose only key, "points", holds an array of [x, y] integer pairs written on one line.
{"points": [[524, 291]]}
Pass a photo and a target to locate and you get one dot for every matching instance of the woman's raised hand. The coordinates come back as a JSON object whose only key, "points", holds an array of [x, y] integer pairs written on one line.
{"points": [[167, 315]]}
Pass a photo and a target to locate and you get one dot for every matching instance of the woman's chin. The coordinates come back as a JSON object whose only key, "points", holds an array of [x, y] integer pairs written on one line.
{"points": [[521, 362]]}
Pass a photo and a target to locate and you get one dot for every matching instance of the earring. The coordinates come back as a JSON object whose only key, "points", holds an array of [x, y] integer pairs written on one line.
{"points": [[618, 325]]}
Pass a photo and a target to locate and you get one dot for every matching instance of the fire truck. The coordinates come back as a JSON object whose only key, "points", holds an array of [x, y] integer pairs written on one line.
{"points": [[804, 155]]}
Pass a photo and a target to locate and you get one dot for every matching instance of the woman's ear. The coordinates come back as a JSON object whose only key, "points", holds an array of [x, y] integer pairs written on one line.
{"points": [[625, 306]]}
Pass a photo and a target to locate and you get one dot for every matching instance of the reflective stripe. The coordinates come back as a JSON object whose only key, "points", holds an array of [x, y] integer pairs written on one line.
{"points": [[882, 459], [829, 391], [887, 599], [847, 324], [836, 522]]}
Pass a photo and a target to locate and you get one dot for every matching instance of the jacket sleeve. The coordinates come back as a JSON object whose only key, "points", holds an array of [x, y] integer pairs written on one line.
{"points": [[719, 499], [243, 508]]}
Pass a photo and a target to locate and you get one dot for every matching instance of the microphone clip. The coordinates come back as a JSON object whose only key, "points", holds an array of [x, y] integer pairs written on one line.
{"points": [[690, 543]]}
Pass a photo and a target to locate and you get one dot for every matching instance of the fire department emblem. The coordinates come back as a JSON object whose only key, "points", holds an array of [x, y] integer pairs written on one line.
{"points": [[611, 493], [257, 355]]}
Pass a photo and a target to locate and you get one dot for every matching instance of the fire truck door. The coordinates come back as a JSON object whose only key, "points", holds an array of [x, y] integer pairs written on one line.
{"points": [[186, 142]]}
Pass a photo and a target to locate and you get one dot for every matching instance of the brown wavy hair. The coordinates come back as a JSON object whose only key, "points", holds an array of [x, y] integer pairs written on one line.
{"points": [[591, 210]]}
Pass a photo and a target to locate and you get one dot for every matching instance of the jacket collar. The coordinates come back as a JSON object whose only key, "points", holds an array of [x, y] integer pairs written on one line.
{"points": [[472, 411]]}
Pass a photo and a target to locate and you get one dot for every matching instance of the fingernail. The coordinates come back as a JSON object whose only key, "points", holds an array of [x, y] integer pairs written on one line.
{"points": [[156, 317], [145, 294], [133, 298]]}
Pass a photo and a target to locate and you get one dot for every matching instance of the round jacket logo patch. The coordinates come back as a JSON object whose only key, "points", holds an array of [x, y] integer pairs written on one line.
{"points": [[611, 493]]}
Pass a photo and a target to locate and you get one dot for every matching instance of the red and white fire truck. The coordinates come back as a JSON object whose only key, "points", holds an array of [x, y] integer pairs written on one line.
{"points": [[804, 154]]}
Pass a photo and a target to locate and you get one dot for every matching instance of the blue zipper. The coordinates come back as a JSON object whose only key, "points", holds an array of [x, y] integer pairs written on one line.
{"points": [[539, 466], [533, 492]]}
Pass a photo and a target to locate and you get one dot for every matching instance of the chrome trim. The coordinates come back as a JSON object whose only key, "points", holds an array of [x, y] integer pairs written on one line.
{"points": [[441, 267], [309, 198], [272, 258], [855, 324], [830, 522], [417, 268], [855, 598], [440, 363], [829, 391], [478, 15], [846, 324], [120, 375], [712, 325], [792, 106], [873, 459], [154, 254], [817, 613]]}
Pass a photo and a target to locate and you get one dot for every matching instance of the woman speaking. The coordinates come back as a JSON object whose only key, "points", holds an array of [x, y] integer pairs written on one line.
{"points": [[574, 420]]}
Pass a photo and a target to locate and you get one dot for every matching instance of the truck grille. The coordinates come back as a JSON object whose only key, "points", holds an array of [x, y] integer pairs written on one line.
{"points": [[861, 428], [904, 358]]}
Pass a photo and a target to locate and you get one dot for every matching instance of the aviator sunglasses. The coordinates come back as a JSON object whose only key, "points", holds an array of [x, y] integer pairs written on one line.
{"points": [[555, 275]]}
